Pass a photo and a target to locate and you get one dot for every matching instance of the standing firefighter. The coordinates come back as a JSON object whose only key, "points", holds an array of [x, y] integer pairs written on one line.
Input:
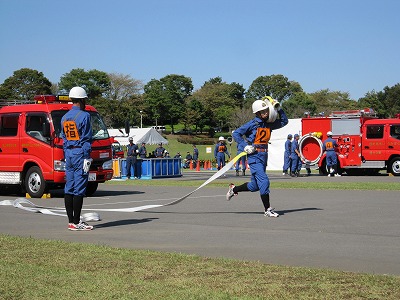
{"points": [[286, 157], [257, 133], [219, 152], [329, 146], [77, 138]]}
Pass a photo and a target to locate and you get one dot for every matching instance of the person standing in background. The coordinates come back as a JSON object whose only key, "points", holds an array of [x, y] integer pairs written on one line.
{"points": [[195, 156], [220, 151], [286, 157], [131, 159]]}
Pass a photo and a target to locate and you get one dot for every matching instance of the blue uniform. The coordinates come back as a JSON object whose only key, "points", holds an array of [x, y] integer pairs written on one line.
{"points": [[195, 156], [219, 153], [258, 133], [286, 157], [329, 146], [159, 152], [296, 161], [131, 160], [142, 151], [77, 138]]}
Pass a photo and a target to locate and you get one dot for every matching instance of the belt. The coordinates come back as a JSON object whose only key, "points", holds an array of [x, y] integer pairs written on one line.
{"points": [[262, 149], [74, 147]]}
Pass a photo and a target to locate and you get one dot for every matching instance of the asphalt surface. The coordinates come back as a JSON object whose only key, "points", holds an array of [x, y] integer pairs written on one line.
{"points": [[355, 231]]}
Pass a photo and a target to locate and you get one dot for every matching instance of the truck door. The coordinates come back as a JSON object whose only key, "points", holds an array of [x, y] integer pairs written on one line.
{"points": [[35, 141], [394, 139], [374, 146], [10, 143]]}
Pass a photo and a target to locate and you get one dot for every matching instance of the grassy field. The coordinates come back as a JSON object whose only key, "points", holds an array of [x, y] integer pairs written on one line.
{"points": [[41, 269]]}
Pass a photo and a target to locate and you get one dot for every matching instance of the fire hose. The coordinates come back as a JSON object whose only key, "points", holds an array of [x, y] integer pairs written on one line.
{"points": [[25, 204]]}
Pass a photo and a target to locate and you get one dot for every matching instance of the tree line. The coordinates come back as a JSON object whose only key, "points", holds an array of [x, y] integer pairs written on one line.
{"points": [[171, 100]]}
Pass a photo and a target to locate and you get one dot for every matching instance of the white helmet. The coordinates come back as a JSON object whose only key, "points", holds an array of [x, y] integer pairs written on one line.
{"points": [[221, 138], [77, 93], [329, 133], [259, 105]]}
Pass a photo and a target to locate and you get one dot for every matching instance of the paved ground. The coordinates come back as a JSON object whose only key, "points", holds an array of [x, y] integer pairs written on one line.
{"points": [[346, 230]]}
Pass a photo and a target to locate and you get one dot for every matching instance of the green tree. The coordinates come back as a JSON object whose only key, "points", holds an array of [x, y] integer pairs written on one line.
{"points": [[391, 100], [165, 98], [96, 83], [373, 100], [276, 86], [327, 101], [299, 104], [219, 99], [24, 85]]}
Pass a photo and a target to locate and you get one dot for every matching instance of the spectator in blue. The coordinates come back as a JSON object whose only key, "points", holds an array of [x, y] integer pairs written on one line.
{"points": [[296, 157], [160, 151], [195, 155], [132, 152], [329, 146], [286, 156], [219, 152], [143, 150], [77, 144]]}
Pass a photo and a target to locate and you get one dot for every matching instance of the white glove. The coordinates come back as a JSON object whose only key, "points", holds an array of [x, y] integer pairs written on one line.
{"points": [[86, 164], [249, 149]]}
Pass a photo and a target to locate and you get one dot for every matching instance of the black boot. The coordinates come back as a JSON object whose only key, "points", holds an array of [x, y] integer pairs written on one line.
{"points": [[243, 172]]}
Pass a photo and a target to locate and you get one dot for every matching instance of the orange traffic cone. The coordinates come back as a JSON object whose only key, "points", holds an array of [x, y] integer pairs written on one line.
{"points": [[198, 166], [191, 165]]}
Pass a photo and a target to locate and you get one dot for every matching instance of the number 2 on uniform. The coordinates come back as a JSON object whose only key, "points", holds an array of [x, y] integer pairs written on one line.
{"points": [[262, 136]]}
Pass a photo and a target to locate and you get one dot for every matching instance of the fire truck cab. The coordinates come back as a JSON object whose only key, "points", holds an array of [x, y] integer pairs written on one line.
{"points": [[366, 144], [31, 147]]}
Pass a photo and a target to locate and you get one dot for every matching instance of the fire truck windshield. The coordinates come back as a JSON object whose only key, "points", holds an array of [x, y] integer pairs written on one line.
{"points": [[99, 129]]}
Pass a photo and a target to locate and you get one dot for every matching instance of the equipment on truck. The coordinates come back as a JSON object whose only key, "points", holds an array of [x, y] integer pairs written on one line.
{"points": [[367, 144], [31, 147]]}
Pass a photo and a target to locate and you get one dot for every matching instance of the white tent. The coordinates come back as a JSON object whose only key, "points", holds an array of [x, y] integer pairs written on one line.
{"points": [[147, 135], [277, 147]]}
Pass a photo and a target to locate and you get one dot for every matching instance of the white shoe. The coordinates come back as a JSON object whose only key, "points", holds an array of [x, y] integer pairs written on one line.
{"points": [[230, 192], [337, 175], [271, 213]]}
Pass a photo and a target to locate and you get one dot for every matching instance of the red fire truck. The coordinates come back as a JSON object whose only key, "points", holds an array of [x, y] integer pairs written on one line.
{"points": [[367, 144], [31, 151]]}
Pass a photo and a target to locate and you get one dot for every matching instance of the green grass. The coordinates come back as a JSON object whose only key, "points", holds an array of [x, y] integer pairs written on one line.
{"points": [[41, 269]]}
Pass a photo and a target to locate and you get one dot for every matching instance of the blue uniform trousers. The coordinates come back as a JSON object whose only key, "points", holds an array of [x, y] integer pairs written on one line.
{"points": [[259, 179], [286, 162], [76, 179], [220, 160], [331, 158]]}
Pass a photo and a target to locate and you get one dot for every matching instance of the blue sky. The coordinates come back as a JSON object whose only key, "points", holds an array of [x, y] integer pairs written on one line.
{"points": [[342, 45]]}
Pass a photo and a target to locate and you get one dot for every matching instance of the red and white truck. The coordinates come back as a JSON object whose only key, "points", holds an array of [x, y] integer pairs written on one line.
{"points": [[31, 147], [367, 144]]}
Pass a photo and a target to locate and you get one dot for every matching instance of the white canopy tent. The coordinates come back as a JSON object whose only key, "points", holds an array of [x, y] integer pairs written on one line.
{"points": [[149, 136], [277, 147]]}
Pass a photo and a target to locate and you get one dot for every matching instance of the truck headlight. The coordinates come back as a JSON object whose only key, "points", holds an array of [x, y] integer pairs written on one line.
{"points": [[107, 165], [59, 165]]}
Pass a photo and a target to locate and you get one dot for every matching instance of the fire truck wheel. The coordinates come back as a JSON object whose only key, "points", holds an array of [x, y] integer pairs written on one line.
{"points": [[394, 166], [91, 188], [35, 184]]}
